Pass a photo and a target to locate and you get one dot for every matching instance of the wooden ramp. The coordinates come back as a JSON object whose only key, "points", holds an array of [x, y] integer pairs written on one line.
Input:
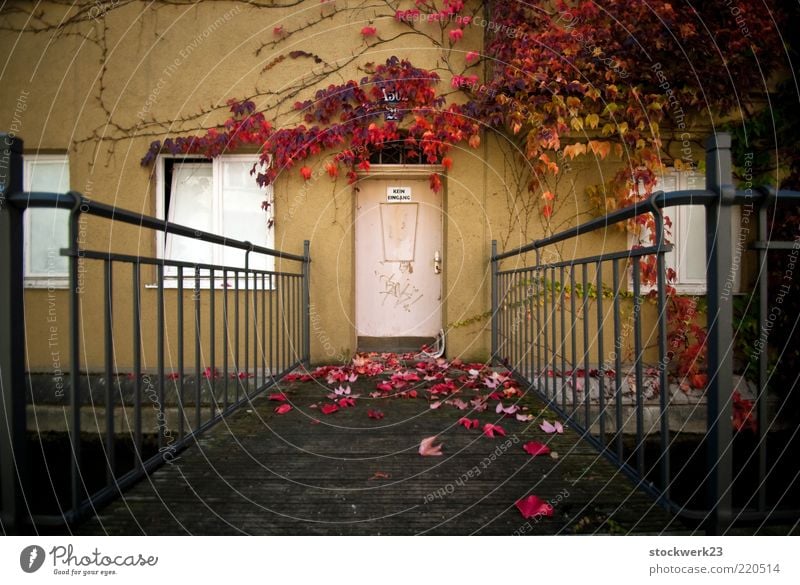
{"points": [[304, 472]]}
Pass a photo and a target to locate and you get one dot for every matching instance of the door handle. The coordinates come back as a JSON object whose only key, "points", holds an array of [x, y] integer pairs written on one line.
{"points": [[437, 263]]}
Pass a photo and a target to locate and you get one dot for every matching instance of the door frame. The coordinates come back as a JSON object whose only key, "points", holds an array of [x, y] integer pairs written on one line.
{"points": [[388, 171]]}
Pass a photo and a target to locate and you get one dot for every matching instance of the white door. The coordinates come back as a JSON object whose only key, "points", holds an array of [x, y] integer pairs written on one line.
{"points": [[399, 260]]}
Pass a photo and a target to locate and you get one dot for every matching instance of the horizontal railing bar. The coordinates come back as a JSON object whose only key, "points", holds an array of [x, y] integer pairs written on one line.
{"points": [[659, 200], [129, 258], [782, 245], [74, 200], [622, 255]]}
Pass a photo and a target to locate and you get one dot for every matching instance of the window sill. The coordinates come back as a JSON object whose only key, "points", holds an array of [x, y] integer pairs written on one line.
{"points": [[47, 282]]}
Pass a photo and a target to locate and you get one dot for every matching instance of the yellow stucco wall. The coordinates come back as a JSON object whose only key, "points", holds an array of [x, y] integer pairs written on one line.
{"points": [[118, 77]]}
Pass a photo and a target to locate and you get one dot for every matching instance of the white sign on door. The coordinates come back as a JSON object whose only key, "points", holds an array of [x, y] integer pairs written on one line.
{"points": [[398, 194]]}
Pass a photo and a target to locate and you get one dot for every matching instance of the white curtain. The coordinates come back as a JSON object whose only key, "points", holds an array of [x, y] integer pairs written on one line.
{"points": [[48, 229]]}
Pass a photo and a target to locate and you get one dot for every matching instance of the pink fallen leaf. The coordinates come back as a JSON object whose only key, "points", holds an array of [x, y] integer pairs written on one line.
{"points": [[279, 396], [329, 408], [375, 394], [551, 428], [534, 448], [374, 413], [283, 408], [340, 391], [533, 506], [509, 410], [469, 424], [428, 449], [435, 405], [489, 430], [524, 417], [459, 404]]}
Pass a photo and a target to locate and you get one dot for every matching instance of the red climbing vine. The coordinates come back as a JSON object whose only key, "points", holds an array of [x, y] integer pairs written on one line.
{"points": [[349, 119], [564, 80]]}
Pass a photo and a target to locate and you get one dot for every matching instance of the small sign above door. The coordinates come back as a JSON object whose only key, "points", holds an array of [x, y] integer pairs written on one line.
{"points": [[398, 194]]}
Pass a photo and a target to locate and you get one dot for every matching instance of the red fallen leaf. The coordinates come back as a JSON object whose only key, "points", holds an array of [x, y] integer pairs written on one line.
{"points": [[283, 408], [292, 377], [549, 428], [411, 394], [428, 449], [329, 408], [489, 430], [208, 373], [376, 414], [368, 31], [381, 475], [385, 386], [469, 424], [306, 172], [535, 448], [443, 388], [345, 402], [533, 506], [279, 396], [496, 396], [173, 376]]}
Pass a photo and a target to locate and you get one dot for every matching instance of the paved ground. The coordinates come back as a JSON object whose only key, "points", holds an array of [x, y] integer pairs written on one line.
{"points": [[305, 472]]}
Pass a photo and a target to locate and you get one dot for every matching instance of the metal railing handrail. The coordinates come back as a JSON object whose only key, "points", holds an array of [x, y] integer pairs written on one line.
{"points": [[658, 200], [529, 333], [74, 200], [271, 323]]}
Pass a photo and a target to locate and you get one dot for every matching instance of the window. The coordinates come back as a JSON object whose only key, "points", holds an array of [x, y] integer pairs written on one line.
{"points": [[219, 196], [46, 229], [688, 233]]}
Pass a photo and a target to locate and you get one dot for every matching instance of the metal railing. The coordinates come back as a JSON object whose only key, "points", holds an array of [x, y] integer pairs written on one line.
{"points": [[239, 328], [562, 327]]}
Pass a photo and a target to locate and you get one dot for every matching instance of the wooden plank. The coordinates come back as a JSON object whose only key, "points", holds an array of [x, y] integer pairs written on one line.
{"points": [[263, 473]]}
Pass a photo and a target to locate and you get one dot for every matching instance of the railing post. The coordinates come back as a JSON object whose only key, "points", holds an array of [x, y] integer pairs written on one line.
{"points": [[306, 303], [495, 266], [13, 460], [719, 246]]}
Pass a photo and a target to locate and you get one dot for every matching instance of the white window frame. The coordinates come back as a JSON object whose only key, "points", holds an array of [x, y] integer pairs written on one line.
{"points": [[683, 241], [35, 280], [170, 274]]}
